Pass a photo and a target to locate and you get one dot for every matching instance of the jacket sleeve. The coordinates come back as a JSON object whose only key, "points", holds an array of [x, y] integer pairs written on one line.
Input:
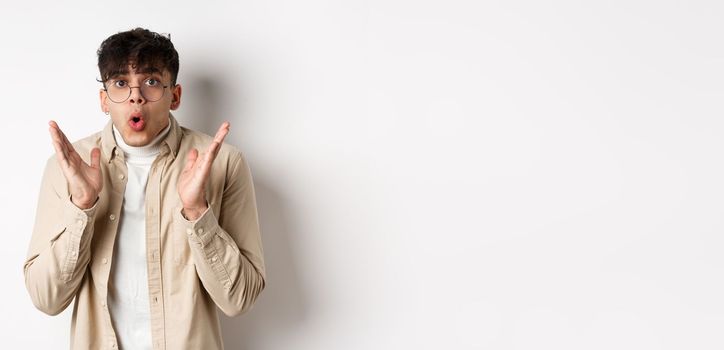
{"points": [[59, 249], [227, 249]]}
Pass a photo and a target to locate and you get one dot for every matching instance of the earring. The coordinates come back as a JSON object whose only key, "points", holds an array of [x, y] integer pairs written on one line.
{"points": [[107, 112]]}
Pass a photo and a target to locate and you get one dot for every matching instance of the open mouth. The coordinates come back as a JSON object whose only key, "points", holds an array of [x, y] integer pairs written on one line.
{"points": [[136, 123]]}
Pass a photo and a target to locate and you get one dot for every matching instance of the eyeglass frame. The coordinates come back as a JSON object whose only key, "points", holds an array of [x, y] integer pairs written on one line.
{"points": [[130, 91]]}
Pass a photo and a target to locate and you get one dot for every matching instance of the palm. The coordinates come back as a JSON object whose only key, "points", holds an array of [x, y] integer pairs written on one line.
{"points": [[193, 178], [189, 184], [84, 181]]}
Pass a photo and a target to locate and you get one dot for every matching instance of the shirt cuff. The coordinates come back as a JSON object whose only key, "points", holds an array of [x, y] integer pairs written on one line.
{"points": [[77, 221], [73, 213], [203, 229]]}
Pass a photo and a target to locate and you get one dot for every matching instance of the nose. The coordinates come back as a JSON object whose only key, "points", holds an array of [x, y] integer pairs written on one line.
{"points": [[136, 96]]}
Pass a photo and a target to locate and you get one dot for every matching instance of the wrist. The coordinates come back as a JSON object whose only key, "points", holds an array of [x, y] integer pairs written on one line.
{"points": [[193, 213], [84, 205]]}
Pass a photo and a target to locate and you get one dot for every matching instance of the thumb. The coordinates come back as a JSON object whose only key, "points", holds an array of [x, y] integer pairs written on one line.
{"points": [[191, 159], [96, 158]]}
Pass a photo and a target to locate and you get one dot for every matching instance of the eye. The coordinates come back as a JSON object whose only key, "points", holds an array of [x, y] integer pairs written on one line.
{"points": [[120, 83], [152, 82]]}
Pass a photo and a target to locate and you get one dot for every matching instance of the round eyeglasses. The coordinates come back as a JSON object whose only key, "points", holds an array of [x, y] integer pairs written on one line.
{"points": [[151, 89]]}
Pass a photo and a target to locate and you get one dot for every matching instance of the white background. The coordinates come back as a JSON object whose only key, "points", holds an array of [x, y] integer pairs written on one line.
{"points": [[430, 175]]}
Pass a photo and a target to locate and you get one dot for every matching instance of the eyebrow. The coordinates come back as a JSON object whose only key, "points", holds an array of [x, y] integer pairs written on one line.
{"points": [[146, 70]]}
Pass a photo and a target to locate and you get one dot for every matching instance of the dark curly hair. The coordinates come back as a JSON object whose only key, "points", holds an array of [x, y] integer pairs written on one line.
{"points": [[144, 50]]}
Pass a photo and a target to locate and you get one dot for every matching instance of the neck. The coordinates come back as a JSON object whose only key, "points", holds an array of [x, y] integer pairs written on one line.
{"points": [[151, 149]]}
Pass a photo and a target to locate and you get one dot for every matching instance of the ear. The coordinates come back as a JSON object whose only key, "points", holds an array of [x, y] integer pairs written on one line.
{"points": [[175, 97], [103, 100]]}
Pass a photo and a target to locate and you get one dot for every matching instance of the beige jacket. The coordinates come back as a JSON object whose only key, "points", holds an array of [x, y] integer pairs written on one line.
{"points": [[193, 267]]}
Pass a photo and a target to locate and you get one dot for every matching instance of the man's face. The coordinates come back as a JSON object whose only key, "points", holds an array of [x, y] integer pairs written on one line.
{"points": [[137, 119]]}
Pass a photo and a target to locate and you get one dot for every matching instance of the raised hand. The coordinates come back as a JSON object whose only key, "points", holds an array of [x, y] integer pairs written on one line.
{"points": [[84, 181], [192, 182]]}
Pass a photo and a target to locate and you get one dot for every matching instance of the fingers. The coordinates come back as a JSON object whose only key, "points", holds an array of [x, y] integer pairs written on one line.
{"points": [[60, 154], [67, 146], [60, 133], [55, 132], [203, 166], [67, 156], [222, 132], [214, 147], [70, 150], [211, 152], [58, 144], [218, 140], [96, 158]]}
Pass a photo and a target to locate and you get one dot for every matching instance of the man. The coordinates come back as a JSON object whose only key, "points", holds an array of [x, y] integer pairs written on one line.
{"points": [[148, 225]]}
